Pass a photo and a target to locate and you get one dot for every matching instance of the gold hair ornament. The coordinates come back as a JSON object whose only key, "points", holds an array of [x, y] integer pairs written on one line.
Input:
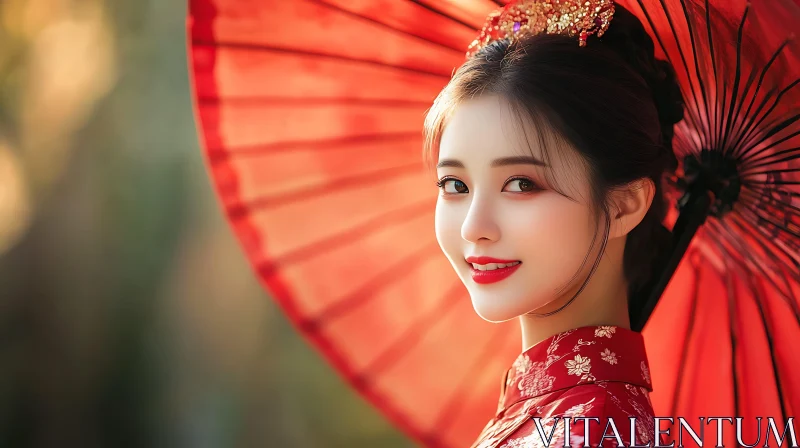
{"points": [[521, 18]]}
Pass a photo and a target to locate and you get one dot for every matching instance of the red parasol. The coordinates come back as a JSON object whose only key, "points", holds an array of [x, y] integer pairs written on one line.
{"points": [[311, 115]]}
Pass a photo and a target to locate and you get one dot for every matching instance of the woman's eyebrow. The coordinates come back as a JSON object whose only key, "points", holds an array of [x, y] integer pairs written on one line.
{"points": [[503, 161]]}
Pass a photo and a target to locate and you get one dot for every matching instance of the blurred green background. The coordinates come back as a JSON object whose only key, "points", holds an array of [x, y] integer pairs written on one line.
{"points": [[128, 314]]}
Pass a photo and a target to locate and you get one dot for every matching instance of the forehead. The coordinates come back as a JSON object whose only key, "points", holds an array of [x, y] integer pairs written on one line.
{"points": [[486, 127]]}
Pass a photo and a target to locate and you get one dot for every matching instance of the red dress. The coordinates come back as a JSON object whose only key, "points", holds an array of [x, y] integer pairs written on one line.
{"points": [[598, 372]]}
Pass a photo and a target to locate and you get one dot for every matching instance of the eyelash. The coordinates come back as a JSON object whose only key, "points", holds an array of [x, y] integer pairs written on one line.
{"points": [[441, 183]]}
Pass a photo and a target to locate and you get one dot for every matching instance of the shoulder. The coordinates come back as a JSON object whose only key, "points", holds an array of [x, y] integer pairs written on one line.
{"points": [[589, 411]]}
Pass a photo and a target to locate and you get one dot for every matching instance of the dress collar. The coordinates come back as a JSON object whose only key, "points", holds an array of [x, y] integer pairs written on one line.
{"points": [[579, 356]]}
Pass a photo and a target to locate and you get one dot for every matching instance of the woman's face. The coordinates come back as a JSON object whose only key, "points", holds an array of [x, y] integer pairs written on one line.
{"points": [[494, 202]]}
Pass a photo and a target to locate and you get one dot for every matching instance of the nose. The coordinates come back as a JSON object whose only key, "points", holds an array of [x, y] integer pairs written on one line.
{"points": [[480, 224]]}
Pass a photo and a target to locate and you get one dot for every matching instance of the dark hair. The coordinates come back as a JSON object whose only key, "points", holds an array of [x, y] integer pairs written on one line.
{"points": [[612, 100]]}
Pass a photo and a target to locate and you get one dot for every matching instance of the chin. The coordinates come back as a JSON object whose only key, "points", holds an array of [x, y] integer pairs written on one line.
{"points": [[494, 308]]}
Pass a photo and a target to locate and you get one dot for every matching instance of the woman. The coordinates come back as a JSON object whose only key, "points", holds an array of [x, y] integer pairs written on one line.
{"points": [[549, 146]]}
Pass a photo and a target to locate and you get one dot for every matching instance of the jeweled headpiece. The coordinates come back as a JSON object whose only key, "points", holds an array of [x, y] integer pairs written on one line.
{"points": [[520, 18]]}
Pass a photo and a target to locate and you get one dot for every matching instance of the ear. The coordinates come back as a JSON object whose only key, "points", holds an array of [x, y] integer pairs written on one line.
{"points": [[629, 206]]}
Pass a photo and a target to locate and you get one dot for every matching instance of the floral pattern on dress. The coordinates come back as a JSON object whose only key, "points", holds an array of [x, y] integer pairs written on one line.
{"points": [[644, 417], [536, 381], [605, 331], [580, 409], [579, 366], [552, 357], [608, 356], [581, 343], [646, 394], [522, 365], [557, 378]]}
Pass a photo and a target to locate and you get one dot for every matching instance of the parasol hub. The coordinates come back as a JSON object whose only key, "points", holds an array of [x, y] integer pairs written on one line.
{"points": [[712, 172]]}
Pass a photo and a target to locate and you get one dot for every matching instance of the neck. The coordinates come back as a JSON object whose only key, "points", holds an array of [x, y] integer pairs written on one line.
{"points": [[604, 301]]}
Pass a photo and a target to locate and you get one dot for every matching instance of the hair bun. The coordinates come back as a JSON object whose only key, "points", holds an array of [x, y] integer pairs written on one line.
{"points": [[670, 104], [667, 94], [630, 40], [628, 37]]}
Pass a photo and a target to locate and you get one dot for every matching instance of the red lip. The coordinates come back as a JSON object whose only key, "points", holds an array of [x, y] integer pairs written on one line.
{"points": [[486, 277], [487, 260]]}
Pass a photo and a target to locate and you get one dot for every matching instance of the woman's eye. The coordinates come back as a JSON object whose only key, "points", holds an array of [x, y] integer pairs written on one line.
{"points": [[453, 186], [521, 185]]}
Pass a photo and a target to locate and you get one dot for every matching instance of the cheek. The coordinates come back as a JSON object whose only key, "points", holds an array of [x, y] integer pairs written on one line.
{"points": [[448, 219], [552, 232]]}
